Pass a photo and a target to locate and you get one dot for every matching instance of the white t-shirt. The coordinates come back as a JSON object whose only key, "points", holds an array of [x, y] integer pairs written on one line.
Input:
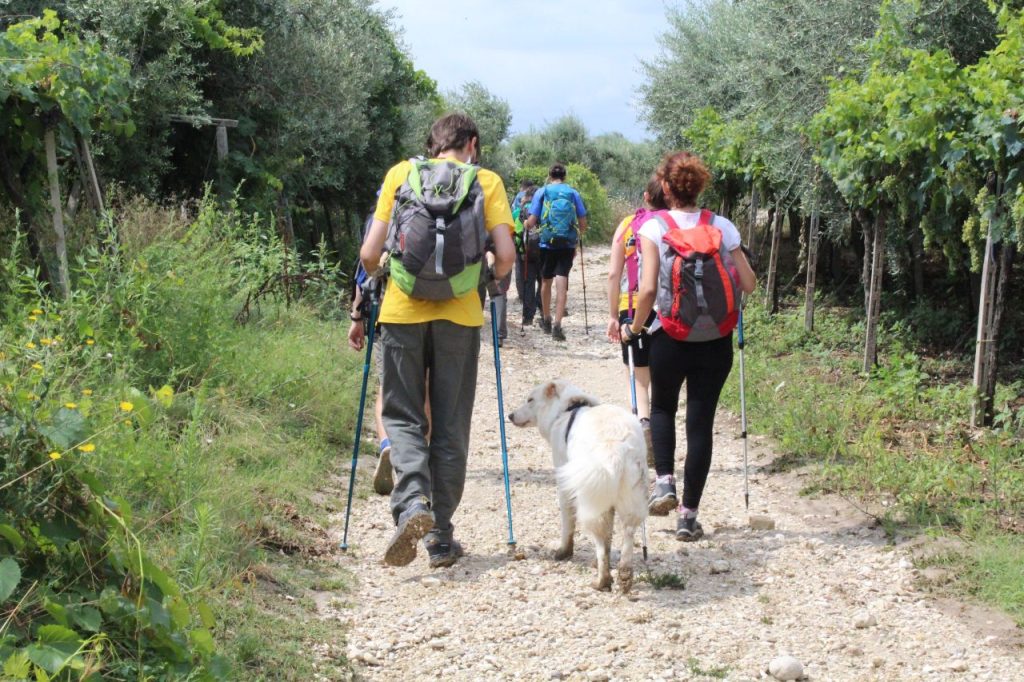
{"points": [[655, 229]]}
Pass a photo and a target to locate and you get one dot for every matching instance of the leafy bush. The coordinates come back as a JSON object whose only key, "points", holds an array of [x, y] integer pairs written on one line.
{"points": [[148, 439]]}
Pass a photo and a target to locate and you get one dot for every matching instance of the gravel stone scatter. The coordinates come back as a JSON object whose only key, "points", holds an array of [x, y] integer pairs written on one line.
{"points": [[786, 668], [809, 576]]}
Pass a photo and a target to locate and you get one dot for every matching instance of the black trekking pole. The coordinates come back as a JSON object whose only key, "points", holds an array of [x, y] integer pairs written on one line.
{"points": [[501, 419], [743, 411], [526, 283], [359, 415], [583, 274], [636, 413]]}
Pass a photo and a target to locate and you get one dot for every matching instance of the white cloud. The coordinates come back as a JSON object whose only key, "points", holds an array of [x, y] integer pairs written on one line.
{"points": [[546, 59]]}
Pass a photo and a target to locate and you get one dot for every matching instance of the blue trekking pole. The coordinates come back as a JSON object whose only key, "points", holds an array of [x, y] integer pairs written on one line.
{"points": [[501, 420], [743, 411], [359, 416]]}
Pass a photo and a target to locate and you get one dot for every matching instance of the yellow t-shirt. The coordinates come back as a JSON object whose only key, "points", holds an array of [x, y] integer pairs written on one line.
{"points": [[467, 310]]}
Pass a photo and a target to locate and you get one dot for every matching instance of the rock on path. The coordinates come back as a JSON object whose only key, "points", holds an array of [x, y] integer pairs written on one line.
{"points": [[801, 587]]}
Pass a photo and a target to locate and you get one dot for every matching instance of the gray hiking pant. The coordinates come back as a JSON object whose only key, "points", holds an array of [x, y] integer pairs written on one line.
{"points": [[434, 470]]}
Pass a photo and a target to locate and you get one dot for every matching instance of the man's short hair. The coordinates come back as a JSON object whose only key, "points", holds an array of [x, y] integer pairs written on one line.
{"points": [[524, 185], [450, 132], [557, 172]]}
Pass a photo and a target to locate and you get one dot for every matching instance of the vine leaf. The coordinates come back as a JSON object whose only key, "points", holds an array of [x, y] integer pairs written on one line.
{"points": [[10, 576], [67, 429]]}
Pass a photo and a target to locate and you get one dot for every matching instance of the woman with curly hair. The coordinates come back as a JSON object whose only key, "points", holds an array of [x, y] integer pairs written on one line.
{"points": [[703, 365]]}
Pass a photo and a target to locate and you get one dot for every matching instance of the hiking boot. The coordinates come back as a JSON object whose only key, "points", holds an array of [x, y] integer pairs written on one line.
{"points": [[557, 334], [545, 325], [688, 528], [527, 322], [415, 522], [645, 423], [663, 498], [444, 554], [383, 476], [501, 342]]}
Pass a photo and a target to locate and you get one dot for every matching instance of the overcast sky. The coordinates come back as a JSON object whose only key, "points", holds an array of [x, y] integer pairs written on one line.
{"points": [[545, 59]]}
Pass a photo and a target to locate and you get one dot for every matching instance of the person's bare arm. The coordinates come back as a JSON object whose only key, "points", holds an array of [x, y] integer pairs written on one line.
{"points": [[373, 245], [504, 250], [615, 266], [748, 280]]}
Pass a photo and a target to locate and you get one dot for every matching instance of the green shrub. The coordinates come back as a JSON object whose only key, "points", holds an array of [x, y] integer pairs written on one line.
{"points": [[149, 441]]}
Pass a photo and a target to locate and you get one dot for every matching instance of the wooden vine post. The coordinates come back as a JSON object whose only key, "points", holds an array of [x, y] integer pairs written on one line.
{"points": [[812, 267], [985, 346], [771, 296], [874, 307], [57, 209]]}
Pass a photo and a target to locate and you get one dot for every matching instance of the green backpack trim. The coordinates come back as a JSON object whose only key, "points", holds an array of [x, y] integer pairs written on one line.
{"points": [[467, 178]]}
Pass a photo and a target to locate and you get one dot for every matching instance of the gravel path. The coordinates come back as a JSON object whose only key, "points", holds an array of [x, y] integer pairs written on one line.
{"points": [[823, 586]]}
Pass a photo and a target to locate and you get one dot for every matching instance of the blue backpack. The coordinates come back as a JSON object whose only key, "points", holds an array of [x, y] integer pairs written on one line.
{"points": [[558, 217]]}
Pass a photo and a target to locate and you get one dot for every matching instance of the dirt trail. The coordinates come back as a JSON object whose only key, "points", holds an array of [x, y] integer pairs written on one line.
{"points": [[824, 586]]}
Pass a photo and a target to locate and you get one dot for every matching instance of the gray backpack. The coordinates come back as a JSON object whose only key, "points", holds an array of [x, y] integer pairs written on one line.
{"points": [[437, 233]]}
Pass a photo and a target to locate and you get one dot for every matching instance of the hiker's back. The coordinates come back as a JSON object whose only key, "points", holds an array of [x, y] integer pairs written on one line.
{"points": [[698, 285], [437, 232], [558, 216]]}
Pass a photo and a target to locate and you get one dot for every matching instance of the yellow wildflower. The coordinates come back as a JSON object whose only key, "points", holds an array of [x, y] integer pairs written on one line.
{"points": [[71, 406], [86, 391], [127, 422], [46, 342], [88, 447], [54, 455], [89, 342], [32, 318], [36, 365], [37, 311], [126, 406], [30, 345]]}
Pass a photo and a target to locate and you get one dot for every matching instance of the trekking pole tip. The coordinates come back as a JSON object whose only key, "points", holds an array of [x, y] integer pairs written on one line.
{"points": [[344, 547], [645, 552]]}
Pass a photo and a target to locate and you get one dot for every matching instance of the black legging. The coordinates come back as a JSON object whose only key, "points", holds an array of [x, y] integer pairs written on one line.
{"points": [[704, 366]]}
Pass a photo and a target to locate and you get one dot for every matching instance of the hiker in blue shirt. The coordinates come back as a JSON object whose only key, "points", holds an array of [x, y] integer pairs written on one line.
{"points": [[559, 210]]}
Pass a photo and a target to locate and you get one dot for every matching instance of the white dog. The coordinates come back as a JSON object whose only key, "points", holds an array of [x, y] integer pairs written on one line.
{"points": [[600, 459]]}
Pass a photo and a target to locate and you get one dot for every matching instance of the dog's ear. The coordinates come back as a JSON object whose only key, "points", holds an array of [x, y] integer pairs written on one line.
{"points": [[551, 390]]}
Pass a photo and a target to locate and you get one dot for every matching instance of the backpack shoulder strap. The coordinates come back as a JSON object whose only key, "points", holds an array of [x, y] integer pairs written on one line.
{"points": [[666, 217], [706, 217], [416, 165]]}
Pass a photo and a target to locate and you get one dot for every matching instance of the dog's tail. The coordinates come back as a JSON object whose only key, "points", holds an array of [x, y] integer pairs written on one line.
{"points": [[594, 481]]}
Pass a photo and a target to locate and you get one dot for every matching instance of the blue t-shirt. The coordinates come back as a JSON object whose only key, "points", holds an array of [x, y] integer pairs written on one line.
{"points": [[537, 205]]}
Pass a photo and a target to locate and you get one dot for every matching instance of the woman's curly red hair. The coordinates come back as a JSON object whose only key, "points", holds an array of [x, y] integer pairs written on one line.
{"points": [[686, 176]]}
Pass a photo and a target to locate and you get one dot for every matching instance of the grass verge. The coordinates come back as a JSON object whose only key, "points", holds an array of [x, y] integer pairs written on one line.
{"points": [[899, 437]]}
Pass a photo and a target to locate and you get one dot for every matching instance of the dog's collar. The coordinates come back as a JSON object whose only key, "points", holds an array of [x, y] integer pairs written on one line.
{"points": [[572, 418]]}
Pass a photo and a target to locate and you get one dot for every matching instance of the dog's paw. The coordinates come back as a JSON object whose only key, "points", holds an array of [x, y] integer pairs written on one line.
{"points": [[602, 584], [625, 577], [561, 553]]}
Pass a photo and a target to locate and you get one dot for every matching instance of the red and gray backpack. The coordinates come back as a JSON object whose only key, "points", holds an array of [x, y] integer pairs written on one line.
{"points": [[698, 286]]}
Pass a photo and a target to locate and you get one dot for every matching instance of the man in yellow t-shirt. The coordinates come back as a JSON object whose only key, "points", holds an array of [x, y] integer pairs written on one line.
{"points": [[442, 338]]}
